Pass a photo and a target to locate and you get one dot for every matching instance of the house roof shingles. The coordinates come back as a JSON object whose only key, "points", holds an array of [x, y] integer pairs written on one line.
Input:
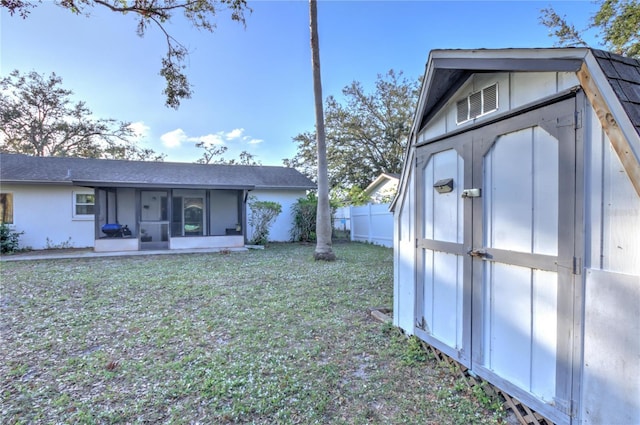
{"points": [[118, 173]]}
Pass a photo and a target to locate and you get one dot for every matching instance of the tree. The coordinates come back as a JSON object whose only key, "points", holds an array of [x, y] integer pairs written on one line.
{"points": [[200, 13], [366, 133], [211, 152], [618, 22], [323, 249], [38, 117]]}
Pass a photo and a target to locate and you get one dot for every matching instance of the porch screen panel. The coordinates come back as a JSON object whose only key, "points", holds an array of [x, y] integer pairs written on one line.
{"points": [[188, 213], [224, 211]]}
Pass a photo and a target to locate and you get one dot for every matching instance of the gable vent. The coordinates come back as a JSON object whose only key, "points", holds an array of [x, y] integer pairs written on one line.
{"points": [[477, 104]]}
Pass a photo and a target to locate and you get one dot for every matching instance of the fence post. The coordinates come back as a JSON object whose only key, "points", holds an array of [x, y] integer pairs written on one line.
{"points": [[370, 223], [351, 224]]}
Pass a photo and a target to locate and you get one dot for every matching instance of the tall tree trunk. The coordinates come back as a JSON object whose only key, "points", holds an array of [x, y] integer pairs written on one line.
{"points": [[323, 250]]}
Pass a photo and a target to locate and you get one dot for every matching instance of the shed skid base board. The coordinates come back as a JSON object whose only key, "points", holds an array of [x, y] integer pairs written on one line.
{"points": [[520, 411], [382, 314]]}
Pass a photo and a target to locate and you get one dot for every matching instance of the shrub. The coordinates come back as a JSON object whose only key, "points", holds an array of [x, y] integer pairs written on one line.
{"points": [[305, 211], [8, 239], [263, 213]]}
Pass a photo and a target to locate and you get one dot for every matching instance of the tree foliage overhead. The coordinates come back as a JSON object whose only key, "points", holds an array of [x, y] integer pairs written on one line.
{"points": [[617, 22], [155, 13], [38, 117], [366, 132]]}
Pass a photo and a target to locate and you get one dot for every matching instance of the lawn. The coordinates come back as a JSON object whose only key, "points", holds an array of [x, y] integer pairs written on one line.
{"points": [[265, 336]]}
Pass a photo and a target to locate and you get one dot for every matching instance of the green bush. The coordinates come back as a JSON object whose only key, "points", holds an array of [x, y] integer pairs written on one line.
{"points": [[305, 211], [8, 239], [263, 213]]}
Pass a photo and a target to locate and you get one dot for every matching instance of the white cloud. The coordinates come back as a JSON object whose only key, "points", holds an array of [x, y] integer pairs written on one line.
{"points": [[174, 139], [140, 130], [235, 134], [211, 139]]}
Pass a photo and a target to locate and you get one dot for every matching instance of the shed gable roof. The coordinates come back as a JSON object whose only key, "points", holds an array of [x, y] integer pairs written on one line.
{"points": [[118, 173], [447, 70], [616, 79]]}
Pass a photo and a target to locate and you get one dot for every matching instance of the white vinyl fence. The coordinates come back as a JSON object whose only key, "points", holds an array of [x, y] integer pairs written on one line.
{"points": [[372, 223]]}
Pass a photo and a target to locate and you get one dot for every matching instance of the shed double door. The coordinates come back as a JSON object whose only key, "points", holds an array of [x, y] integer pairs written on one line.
{"points": [[495, 249]]}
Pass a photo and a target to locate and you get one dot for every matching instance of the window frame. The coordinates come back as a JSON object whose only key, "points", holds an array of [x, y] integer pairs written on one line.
{"points": [[74, 211], [10, 212]]}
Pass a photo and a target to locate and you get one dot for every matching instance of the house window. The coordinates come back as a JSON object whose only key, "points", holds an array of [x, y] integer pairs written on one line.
{"points": [[477, 104], [6, 208], [83, 205]]}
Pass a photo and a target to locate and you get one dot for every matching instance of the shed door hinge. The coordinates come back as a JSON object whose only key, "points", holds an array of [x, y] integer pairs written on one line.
{"points": [[574, 120], [577, 265], [578, 123], [565, 406]]}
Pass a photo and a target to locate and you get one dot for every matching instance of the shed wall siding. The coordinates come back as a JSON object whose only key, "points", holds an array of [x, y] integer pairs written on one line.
{"points": [[514, 90], [611, 371], [611, 382], [613, 223], [404, 261], [59, 226]]}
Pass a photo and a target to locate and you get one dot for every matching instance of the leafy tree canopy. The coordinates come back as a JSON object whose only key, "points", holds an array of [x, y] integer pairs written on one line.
{"points": [[156, 13], [617, 23], [38, 117], [366, 133]]}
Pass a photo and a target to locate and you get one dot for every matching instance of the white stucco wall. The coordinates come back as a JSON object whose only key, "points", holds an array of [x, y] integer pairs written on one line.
{"points": [[280, 231], [45, 215]]}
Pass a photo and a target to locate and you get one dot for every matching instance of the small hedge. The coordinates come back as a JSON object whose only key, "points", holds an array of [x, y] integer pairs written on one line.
{"points": [[9, 239]]}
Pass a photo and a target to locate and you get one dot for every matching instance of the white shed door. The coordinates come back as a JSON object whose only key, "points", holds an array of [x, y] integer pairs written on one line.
{"points": [[496, 253], [520, 297], [523, 255]]}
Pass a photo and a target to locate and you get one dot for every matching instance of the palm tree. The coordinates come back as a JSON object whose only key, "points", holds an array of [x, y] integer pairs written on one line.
{"points": [[323, 223]]}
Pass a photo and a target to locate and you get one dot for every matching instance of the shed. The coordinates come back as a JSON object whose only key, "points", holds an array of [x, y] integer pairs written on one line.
{"points": [[517, 226]]}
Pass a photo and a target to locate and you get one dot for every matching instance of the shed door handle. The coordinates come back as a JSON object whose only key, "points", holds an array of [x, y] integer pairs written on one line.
{"points": [[478, 253]]}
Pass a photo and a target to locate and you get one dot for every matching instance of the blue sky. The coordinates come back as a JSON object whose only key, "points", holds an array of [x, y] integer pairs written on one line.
{"points": [[252, 86]]}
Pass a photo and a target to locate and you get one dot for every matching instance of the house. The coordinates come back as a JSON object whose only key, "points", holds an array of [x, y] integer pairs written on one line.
{"points": [[517, 226], [78, 202], [383, 189]]}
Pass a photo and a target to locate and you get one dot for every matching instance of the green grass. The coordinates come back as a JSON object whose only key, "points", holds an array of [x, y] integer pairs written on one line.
{"points": [[267, 337]]}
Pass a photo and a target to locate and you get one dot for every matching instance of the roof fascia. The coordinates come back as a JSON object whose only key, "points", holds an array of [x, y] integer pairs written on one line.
{"points": [[40, 182], [613, 118], [376, 182], [143, 185]]}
